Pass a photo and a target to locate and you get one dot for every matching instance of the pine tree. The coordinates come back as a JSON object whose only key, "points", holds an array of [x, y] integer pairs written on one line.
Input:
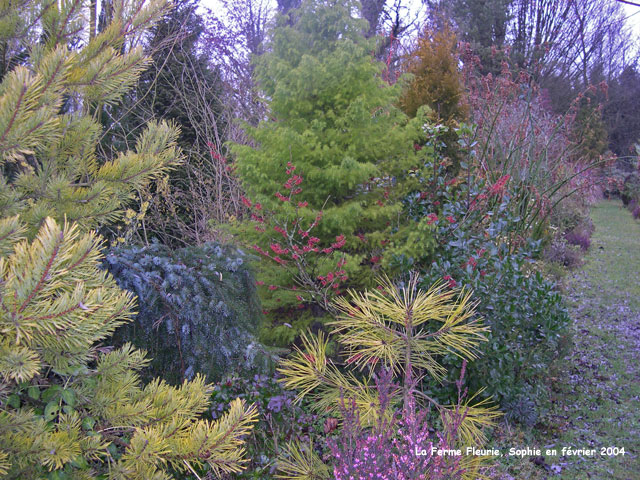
{"points": [[48, 133], [328, 164], [69, 406], [405, 331], [73, 406]]}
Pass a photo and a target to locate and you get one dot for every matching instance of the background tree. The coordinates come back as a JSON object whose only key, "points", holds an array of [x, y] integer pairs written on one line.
{"points": [[284, 6], [538, 27], [622, 112], [484, 24], [392, 23], [182, 86], [179, 74], [437, 82], [233, 38], [601, 45], [372, 11]]}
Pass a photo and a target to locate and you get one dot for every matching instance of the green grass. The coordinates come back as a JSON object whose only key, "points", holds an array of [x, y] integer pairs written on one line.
{"points": [[597, 394], [613, 264]]}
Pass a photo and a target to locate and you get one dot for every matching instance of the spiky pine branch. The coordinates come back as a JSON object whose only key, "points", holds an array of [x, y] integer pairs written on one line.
{"points": [[48, 136], [405, 330], [67, 404]]}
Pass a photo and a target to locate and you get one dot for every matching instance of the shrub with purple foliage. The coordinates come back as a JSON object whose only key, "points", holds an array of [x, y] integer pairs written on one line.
{"points": [[579, 237]]}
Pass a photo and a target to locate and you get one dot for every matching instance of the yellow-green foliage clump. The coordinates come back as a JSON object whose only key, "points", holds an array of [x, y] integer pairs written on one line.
{"points": [[68, 404], [404, 330]]}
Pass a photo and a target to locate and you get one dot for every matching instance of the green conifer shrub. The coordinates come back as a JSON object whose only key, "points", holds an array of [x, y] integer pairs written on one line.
{"points": [[331, 157], [589, 129], [198, 309]]}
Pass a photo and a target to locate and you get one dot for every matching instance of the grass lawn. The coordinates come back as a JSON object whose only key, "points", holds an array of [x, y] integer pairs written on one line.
{"points": [[596, 396]]}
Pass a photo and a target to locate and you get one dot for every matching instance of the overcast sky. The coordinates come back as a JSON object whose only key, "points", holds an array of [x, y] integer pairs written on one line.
{"points": [[632, 12], [634, 17]]}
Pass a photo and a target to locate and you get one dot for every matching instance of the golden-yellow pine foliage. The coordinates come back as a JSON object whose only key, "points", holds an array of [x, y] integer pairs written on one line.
{"points": [[405, 330], [70, 406], [49, 105]]}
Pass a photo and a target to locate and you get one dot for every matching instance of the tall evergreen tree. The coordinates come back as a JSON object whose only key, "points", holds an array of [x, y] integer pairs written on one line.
{"points": [[178, 78], [482, 23], [436, 78], [622, 112], [333, 122], [69, 406]]}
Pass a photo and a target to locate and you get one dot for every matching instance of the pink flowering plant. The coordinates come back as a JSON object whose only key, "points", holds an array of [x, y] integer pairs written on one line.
{"points": [[401, 446]]}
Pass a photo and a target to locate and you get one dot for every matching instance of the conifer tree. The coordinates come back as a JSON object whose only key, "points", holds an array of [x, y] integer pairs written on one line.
{"points": [[437, 83], [69, 406], [48, 133], [179, 86], [333, 122], [177, 76], [590, 131], [436, 80], [484, 24]]}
